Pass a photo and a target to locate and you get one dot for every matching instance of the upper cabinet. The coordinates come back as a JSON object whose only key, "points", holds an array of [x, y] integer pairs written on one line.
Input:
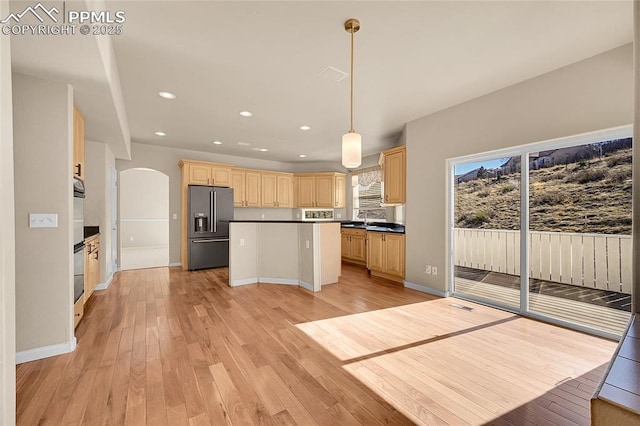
{"points": [[320, 190], [78, 144], [203, 173], [394, 166], [246, 187], [277, 190]]}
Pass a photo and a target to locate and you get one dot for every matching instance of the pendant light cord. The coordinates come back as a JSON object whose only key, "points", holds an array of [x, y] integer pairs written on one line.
{"points": [[351, 100]]}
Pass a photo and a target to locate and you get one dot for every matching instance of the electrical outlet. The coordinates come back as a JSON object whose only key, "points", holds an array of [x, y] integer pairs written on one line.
{"points": [[427, 269], [307, 244], [262, 216], [339, 215], [241, 242], [175, 216], [434, 270]]}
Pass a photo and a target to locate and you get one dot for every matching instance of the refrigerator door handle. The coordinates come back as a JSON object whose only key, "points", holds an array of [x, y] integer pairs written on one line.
{"points": [[215, 212], [210, 241], [210, 211]]}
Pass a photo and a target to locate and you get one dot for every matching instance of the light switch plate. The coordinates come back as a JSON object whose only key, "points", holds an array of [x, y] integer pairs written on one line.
{"points": [[43, 220]]}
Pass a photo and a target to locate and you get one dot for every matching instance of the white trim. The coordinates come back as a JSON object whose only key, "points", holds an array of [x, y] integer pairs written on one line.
{"points": [[287, 281], [306, 285], [174, 264], [105, 285], [424, 289], [247, 281], [45, 351], [142, 219]]}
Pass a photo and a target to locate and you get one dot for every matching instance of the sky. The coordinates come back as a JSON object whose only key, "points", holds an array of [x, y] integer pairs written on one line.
{"points": [[461, 169]]}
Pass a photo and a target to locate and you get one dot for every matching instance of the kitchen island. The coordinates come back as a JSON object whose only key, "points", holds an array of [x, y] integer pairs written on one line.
{"points": [[306, 254]]}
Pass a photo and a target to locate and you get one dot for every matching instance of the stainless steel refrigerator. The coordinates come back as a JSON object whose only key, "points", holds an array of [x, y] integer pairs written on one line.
{"points": [[210, 210]]}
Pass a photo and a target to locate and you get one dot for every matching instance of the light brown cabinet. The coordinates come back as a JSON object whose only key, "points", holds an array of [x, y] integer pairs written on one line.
{"points": [[394, 164], [386, 255], [320, 190], [276, 190], [246, 187], [78, 311], [91, 266], [203, 173], [78, 144], [354, 246]]}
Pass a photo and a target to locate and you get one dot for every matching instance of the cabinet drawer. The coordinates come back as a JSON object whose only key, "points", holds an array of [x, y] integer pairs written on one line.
{"points": [[360, 232]]}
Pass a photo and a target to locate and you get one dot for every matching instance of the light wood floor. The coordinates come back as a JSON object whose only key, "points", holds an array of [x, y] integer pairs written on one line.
{"points": [[167, 347]]}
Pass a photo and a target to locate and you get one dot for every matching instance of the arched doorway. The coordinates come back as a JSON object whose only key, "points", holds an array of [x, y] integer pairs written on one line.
{"points": [[144, 219]]}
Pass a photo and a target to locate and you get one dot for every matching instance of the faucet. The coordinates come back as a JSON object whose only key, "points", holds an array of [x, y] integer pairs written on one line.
{"points": [[365, 216]]}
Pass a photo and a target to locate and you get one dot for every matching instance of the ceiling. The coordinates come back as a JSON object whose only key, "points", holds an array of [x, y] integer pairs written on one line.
{"points": [[411, 59]]}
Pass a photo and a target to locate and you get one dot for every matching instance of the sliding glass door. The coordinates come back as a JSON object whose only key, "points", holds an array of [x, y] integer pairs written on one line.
{"points": [[486, 231], [546, 230]]}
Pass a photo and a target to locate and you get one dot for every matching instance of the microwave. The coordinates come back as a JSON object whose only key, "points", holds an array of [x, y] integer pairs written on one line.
{"points": [[313, 215]]}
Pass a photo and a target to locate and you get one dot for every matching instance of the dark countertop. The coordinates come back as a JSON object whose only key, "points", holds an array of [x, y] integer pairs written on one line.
{"points": [[375, 226], [90, 231], [285, 221]]}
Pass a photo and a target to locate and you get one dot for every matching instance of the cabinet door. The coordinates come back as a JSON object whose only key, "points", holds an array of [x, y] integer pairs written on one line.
{"points": [[306, 191], [376, 251], [340, 191], [324, 191], [199, 174], [269, 189], [252, 189], [221, 176], [394, 254], [78, 144], [358, 248], [394, 177], [238, 185], [285, 190], [346, 245]]}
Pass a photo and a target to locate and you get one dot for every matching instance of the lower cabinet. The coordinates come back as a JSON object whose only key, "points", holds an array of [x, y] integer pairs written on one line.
{"points": [[91, 266], [354, 246], [386, 255], [78, 311]]}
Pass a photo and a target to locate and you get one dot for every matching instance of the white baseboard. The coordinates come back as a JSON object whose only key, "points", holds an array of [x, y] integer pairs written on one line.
{"points": [[105, 285], [286, 281], [244, 282], [306, 285], [424, 289], [45, 351], [174, 264]]}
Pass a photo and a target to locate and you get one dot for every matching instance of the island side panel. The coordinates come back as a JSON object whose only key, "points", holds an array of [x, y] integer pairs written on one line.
{"points": [[329, 257], [306, 250], [278, 248], [243, 254]]}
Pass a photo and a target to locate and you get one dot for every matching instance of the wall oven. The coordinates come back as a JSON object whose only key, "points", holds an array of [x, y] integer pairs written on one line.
{"points": [[78, 239]]}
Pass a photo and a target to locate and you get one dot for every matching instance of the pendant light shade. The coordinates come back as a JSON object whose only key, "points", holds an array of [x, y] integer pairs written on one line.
{"points": [[351, 150], [351, 141]]}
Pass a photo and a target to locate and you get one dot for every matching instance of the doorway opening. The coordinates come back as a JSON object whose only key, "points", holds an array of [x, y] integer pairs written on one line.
{"points": [[144, 219]]}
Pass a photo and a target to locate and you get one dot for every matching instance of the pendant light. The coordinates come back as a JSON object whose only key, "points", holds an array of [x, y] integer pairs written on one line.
{"points": [[351, 141]]}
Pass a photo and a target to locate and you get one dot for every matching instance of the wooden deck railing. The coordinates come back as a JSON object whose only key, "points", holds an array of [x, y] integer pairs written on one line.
{"points": [[589, 260]]}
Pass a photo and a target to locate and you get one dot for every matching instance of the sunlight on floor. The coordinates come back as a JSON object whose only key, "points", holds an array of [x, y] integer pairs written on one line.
{"points": [[438, 364]]}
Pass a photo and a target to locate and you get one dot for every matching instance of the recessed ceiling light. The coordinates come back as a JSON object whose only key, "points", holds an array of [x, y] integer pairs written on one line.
{"points": [[244, 143], [246, 113], [167, 95], [302, 156], [263, 150], [160, 134], [217, 143], [305, 127]]}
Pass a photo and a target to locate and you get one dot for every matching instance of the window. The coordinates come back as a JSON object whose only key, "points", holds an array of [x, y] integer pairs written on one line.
{"points": [[367, 195]]}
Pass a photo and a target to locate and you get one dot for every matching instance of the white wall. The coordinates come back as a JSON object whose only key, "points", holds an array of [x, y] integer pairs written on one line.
{"points": [[99, 161], [7, 239], [591, 95], [636, 160], [43, 142]]}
